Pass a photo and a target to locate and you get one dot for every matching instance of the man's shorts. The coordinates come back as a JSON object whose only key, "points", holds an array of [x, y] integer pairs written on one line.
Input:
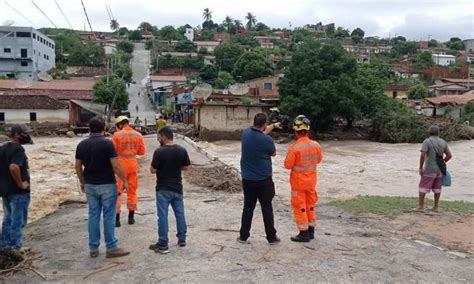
{"points": [[431, 182]]}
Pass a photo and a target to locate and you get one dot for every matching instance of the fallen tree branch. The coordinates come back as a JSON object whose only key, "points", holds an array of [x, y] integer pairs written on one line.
{"points": [[115, 264], [38, 273], [55, 152], [222, 230]]}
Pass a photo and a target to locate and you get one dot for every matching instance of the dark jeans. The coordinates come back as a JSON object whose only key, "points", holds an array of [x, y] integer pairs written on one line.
{"points": [[15, 215], [263, 191]]}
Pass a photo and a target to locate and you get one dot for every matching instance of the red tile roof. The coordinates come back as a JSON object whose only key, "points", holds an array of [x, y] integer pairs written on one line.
{"points": [[168, 78], [30, 102], [77, 84], [55, 94], [452, 99]]}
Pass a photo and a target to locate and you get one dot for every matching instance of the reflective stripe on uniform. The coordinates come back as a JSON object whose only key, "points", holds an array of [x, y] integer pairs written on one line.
{"points": [[304, 168], [305, 146]]}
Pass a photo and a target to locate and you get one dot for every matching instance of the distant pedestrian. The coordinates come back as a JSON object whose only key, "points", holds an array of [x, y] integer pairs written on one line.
{"points": [[256, 167], [432, 149], [14, 187], [136, 108], [96, 167], [169, 160], [302, 159], [139, 94], [160, 123]]}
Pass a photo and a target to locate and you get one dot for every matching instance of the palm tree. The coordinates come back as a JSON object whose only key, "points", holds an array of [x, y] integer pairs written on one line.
{"points": [[207, 14], [238, 25], [251, 20], [228, 22], [114, 25]]}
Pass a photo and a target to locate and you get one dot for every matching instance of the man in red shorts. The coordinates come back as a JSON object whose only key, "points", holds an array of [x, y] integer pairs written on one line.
{"points": [[431, 176]]}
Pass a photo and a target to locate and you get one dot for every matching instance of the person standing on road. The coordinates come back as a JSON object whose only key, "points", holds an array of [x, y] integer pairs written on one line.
{"points": [[302, 159], [430, 172], [160, 123], [128, 143], [169, 160], [96, 166], [256, 167], [14, 187]]}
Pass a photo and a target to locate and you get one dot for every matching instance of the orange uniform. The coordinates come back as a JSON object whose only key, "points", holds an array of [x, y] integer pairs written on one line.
{"points": [[303, 157], [129, 143]]}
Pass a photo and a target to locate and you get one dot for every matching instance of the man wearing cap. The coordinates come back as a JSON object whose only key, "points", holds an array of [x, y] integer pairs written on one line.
{"points": [[128, 144], [14, 186]]}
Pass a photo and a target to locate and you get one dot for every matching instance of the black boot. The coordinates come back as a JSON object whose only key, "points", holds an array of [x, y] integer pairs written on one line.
{"points": [[131, 220], [311, 232], [302, 237], [117, 220]]}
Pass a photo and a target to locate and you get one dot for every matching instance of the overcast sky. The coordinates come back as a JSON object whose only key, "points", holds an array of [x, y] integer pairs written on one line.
{"points": [[415, 19]]}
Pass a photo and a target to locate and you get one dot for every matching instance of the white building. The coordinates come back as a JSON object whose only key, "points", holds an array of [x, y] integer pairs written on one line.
{"points": [[468, 45], [24, 52], [32, 108], [443, 59], [209, 45], [189, 34]]}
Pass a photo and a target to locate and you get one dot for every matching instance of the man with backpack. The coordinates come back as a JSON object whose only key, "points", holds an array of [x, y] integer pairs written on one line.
{"points": [[434, 155], [14, 187]]}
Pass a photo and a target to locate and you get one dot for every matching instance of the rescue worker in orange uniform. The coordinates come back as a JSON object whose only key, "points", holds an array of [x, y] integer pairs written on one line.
{"points": [[302, 159], [128, 144]]}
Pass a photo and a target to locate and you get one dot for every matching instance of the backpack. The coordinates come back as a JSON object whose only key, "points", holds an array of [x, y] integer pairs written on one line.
{"points": [[439, 160]]}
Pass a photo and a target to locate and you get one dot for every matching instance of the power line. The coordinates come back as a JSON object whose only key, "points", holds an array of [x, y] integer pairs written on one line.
{"points": [[112, 14], [64, 15], [18, 12], [108, 12], [39, 9], [87, 17]]}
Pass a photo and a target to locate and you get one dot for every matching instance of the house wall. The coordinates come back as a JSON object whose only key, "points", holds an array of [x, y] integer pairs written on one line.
{"points": [[443, 60], [400, 94], [225, 118], [454, 112], [42, 115]]}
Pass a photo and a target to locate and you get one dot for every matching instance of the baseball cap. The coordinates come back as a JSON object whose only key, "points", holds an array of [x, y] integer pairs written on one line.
{"points": [[19, 128]]}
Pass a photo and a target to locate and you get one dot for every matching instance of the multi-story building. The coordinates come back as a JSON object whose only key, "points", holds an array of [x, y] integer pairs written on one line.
{"points": [[24, 52]]}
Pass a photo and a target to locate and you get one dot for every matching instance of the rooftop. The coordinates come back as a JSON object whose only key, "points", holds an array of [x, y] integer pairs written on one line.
{"points": [[452, 99], [30, 102], [76, 84], [168, 78], [215, 43]]}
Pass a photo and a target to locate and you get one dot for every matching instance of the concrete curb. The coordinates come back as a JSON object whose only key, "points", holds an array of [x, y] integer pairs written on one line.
{"points": [[210, 156]]}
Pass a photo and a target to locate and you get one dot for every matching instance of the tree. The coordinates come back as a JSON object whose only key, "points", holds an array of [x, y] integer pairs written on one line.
{"points": [[402, 48], [168, 33], [208, 73], [125, 72], [238, 25], [251, 20], [330, 30], [224, 80], [87, 54], [433, 43], [423, 60], [135, 35], [145, 27], [209, 25], [248, 40], [125, 46], [185, 46], [252, 65], [105, 93], [300, 35], [228, 22], [417, 91], [114, 25], [455, 45], [321, 83], [357, 35], [123, 31], [207, 15], [260, 27], [226, 56]]}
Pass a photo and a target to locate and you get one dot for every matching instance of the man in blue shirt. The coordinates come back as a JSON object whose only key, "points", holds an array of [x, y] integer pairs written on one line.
{"points": [[257, 183]]}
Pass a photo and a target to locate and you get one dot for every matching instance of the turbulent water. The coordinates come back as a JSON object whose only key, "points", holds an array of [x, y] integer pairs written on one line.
{"points": [[352, 168]]}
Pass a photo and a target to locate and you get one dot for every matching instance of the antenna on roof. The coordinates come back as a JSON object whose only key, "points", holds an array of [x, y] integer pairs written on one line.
{"points": [[203, 90], [43, 76], [239, 89]]}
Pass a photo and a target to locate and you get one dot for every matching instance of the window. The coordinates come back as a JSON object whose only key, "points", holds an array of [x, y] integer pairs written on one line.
{"points": [[32, 116], [267, 86], [34, 36], [24, 64], [24, 52], [44, 56], [7, 50], [2, 117], [23, 34], [34, 51]]}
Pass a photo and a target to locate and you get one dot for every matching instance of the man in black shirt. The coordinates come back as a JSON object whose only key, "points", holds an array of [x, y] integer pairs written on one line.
{"points": [[168, 162], [14, 187], [96, 166]]}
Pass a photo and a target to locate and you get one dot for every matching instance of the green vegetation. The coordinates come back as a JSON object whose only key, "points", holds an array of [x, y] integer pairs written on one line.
{"points": [[468, 114], [394, 206], [252, 65], [227, 55], [224, 80], [417, 91], [125, 46], [423, 60], [105, 93]]}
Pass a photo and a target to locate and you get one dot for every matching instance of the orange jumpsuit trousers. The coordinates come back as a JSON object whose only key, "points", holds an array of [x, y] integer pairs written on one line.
{"points": [[128, 144], [302, 158]]}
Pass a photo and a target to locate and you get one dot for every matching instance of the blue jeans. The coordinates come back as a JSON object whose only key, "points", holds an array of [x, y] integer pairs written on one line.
{"points": [[164, 198], [15, 215], [102, 198]]}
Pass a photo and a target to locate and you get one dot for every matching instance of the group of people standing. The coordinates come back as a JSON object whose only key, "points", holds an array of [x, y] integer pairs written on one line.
{"points": [[99, 161]]}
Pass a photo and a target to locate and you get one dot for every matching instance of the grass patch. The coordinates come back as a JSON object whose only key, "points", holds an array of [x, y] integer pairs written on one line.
{"points": [[394, 206]]}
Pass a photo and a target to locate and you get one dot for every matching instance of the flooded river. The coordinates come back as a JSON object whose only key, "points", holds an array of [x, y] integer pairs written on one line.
{"points": [[352, 168]]}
